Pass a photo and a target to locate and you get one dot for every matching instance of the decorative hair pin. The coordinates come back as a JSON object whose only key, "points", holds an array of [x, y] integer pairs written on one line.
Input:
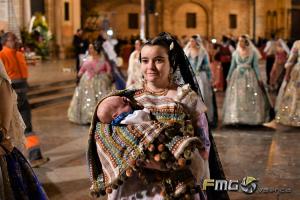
{"points": [[171, 46]]}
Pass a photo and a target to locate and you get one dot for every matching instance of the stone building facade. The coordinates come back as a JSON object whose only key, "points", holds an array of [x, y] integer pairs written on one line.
{"points": [[209, 18]]}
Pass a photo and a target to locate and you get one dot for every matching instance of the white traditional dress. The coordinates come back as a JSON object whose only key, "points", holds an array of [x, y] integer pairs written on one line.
{"points": [[134, 80], [289, 104]]}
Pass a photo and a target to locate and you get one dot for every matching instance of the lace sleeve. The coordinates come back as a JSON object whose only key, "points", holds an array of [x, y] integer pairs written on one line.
{"points": [[196, 109]]}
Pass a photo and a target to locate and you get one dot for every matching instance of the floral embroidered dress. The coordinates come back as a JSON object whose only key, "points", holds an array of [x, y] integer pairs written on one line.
{"points": [[289, 105], [94, 84], [245, 102]]}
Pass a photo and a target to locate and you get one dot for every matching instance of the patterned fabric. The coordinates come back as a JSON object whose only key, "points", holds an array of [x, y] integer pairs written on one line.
{"points": [[289, 103], [17, 179], [117, 146]]}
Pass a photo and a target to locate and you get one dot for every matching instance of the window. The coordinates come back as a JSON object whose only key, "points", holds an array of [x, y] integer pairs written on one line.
{"points": [[67, 11], [232, 21], [191, 20], [37, 6], [133, 20]]}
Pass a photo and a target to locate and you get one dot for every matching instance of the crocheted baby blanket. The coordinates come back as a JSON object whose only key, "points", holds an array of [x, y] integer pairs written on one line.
{"points": [[113, 148]]}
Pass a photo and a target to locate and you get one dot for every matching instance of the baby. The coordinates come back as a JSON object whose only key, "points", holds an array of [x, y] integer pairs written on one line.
{"points": [[118, 110]]}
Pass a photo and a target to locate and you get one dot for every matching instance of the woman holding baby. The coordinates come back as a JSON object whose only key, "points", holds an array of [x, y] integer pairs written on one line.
{"points": [[168, 80]]}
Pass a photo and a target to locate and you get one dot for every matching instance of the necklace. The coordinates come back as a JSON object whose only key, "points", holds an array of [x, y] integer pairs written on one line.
{"points": [[159, 93]]}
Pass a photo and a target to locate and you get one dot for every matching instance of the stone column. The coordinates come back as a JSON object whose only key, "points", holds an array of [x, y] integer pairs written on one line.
{"points": [[260, 18], [76, 15], [26, 13]]}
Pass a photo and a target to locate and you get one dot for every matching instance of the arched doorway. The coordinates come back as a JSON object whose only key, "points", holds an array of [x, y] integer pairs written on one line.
{"points": [[190, 19]]}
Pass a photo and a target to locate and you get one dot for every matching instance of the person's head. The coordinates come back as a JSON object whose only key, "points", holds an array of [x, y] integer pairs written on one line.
{"points": [[273, 36], [111, 107], [138, 44], [9, 40], [195, 41], [94, 48], [244, 41], [79, 32], [159, 59], [225, 39]]}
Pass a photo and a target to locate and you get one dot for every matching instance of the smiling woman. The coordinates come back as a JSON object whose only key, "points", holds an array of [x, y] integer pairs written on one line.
{"points": [[168, 77]]}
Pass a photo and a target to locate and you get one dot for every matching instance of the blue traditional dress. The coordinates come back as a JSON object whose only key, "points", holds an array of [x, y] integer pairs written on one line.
{"points": [[200, 65], [245, 102]]}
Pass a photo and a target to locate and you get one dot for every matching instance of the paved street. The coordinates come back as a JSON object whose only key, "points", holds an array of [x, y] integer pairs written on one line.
{"points": [[270, 154]]}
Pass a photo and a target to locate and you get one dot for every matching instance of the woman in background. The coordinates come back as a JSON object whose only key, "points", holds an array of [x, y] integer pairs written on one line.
{"points": [[245, 102], [95, 82], [199, 60], [289, 105], [277, 72], [134, 72]]}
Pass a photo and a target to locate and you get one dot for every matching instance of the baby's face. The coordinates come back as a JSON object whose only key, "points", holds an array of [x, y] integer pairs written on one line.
{"points": [[113, 106], [119, 105]]}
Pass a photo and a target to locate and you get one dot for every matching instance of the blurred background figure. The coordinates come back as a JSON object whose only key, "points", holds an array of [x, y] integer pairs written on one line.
{"points": [[79, 48], [278, 71], [216, 67], [270, 51], [199, 60], [225, 56], [17, 70], [95, 82], [134, 73], [289, 104], [245, 102]]}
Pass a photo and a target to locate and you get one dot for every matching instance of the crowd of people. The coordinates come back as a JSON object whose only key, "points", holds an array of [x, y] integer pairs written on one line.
{"points": [[172, 84]]}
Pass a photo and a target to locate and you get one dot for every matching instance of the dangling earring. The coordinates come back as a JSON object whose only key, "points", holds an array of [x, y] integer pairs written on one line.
{"points": [[170, 77]]}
